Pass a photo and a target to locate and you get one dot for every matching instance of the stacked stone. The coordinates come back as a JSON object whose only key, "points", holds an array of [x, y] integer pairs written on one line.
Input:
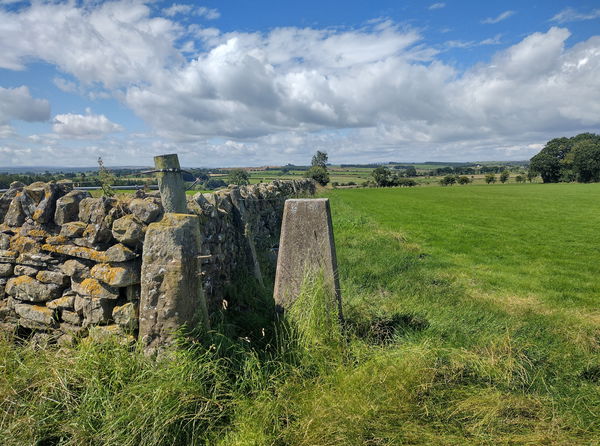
{"points": [[69, 262], [231, 220]]}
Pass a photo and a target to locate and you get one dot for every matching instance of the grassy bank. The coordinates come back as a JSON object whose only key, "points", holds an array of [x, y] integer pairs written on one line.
{"points": [[472, 318]]}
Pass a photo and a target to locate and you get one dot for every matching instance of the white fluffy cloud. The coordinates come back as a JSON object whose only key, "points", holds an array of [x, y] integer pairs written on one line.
{"points": [[83, 126], [17, 104], [366, 93], [113, 43]]}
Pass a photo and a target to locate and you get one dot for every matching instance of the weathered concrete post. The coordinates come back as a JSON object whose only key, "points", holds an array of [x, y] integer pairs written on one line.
{"points": [[170, 183], [306, 245], [171, 293]]}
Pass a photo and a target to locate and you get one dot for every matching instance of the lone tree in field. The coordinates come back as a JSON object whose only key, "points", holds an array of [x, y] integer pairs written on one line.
{"points": [[319, 159], [239, 177], [463, 179], [318, 169], [490, 178], [382, 176], [448, 180], [504, 176]]}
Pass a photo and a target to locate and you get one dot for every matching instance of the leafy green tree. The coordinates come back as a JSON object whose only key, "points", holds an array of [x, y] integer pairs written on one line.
{"points": [[215, 183], [547, 163], [448, 180], [239, 177], [531, 175], [406, 182], [411, 172], [463, 179], [490, 178], [520, 178], [319, 159], [319, 174], [586, 160], [504, 176], [382, 176], [556, 161]]}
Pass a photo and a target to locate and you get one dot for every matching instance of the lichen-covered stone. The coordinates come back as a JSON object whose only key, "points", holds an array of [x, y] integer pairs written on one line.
{"points": [[2, 289], [36, 313], [37, 259], [126, 316], [38, 200], [67, 207], [7, 198], [73, 229], [64, 302], [56, 277], [101, 333], [95, 234], [77, 251], [171, 289], [119, 253], [94, 210], [145, 210], [28, 289], [6, 269], [15, 216], [128, 230], [57, 240], [70, 317], [94, 310], [24, 244], [117, 274], [4, 241], [76, 331], [24, 270], [93, 288], [34, 231], [76, 269], [8, 255]]}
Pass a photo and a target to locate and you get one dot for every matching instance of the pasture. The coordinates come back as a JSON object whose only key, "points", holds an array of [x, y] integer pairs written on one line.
{"points": [[472, 317]]}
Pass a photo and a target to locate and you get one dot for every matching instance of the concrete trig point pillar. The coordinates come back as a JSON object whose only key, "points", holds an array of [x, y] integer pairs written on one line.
{"points": [[171, 291], [306, 245]]}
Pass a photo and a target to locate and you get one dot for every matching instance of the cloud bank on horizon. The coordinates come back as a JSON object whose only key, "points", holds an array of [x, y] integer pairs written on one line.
{"points": [[130, 79]]}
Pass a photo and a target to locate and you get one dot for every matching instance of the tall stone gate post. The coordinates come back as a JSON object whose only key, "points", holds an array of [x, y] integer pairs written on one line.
{"points": [[171, 291]]}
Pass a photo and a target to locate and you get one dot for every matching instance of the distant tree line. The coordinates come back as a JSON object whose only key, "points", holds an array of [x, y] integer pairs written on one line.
{"points": [[569, 159]]}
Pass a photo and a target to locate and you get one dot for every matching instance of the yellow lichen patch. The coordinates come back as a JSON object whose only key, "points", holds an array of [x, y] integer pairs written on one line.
{"points": [[24, 244], [43, 310], [22, 280], [37, 214], [40, 233], [57, 240], [77, 251], [8, 254], [93, 288]]}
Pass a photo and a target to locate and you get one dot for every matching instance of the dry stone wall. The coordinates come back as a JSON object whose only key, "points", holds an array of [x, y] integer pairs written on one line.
{"points": [[70, 264]]}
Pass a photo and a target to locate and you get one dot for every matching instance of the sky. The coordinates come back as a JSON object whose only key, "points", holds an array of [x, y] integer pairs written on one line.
{"points": [[251, 83]]}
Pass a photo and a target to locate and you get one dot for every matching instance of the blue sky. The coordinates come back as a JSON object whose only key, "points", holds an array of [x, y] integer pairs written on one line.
{"points": [[261, 82]]}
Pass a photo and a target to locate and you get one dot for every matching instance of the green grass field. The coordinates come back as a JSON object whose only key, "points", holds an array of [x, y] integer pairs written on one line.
{"points": [[472, 317]]}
